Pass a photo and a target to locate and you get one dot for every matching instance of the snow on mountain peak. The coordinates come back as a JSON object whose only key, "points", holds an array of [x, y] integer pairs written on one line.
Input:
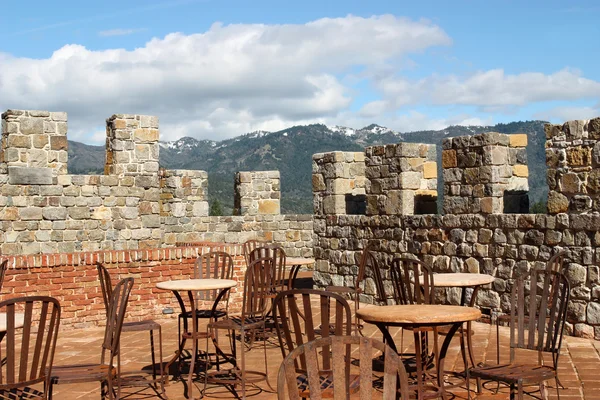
{"points": [[341, 129]]}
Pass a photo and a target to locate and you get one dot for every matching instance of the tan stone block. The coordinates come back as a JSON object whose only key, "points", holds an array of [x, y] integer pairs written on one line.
{"points": [[268, 206], [570, 183], [557, 203], [521, 170], [415, 163], [449, 159], [21, 141], [102, 213], [146, 135], [426, 192], [119, 124], [487, 205], [518, 140], [430, 170], [40, 141], [579, 156], [59, 143]]}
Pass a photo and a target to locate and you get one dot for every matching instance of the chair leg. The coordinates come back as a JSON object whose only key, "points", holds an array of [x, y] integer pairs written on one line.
{"points": [[152, 354], [192, 366], [243, 357], [267, 366], [160, 361]]}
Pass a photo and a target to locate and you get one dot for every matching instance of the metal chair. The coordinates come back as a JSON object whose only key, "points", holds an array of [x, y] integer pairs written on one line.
{"points": [[250, 245], [367, 259], [278, 279], [299, 325], [256, 302], [212, 265], [412, 282], [342, 368], [108, 371], [3, 267], [537, 319], [29, 345], [135, 326]]}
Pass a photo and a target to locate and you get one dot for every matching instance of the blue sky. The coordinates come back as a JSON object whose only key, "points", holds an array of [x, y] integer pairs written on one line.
{"points": [[217, 69]]}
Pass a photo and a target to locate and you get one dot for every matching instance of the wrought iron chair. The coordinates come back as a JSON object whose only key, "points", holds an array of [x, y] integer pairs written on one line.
{"points": [[412, 282], [212, 265], [3, 267], [367, 259], [29, 341], [256, 302], [250, 245], [278, 279], [299, 325], [135, 326], [537, 318], [342, 368], [108, 371]]}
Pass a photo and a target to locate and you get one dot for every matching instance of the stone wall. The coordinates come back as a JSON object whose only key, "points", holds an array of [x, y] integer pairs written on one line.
{"points": [[397, 175], [134, 205], [573, 160], [338, 178], [478, 171], [257, 193], [477, 236], [501, 245]]}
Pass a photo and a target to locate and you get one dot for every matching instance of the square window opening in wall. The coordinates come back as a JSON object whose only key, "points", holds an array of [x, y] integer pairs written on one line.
{"points": [[425, 204], [356, 204], [516, 202]]}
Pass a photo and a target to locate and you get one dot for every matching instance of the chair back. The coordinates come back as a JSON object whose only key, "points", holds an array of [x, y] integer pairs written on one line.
{"points": [[557, 261], [215, 265], [257, 288], [3, 267], [369, 261], [412, 282], [299, 324], [28, 344], [365, 348], [278, 267], [105, 285], [538, 312], [250, 245], [115, 316]]}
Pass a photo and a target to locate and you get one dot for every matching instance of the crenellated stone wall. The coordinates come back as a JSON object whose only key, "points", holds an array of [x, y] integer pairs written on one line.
{"points": [[573, 160], [257, 193], [398, 175], [479, 170], [134, 205], [338, 180]]}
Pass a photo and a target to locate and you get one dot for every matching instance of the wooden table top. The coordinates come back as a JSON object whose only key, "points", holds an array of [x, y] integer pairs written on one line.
{"points": [[461, 279], [418, 314], [19, 321], [196, 284], [291, 261]]}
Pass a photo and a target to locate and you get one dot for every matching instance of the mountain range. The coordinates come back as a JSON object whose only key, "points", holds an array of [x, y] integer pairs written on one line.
{"points": [[290, 151]]}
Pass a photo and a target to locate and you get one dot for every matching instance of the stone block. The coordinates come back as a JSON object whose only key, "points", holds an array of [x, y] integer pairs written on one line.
{"points": [[521, 170], [430, 170], [29, 176], [268, 207], [31, 125], [518, 140], [59, 143], [449, 159]]}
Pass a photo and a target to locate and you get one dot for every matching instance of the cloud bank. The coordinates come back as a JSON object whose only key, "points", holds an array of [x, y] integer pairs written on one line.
{"points": [[233, 79]]}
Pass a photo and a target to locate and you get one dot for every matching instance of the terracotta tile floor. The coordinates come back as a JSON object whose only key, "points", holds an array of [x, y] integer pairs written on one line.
{"points": [[579, 362]]}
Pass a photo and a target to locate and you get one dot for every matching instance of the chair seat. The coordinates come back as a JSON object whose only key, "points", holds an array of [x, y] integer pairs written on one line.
{"points": [[81, 373], [137, 326], [236, 323], [513, 373], [204, 314], [326, 385]]}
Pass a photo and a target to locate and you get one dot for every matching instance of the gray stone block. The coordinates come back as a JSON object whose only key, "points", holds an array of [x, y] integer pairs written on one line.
{"points": [[29, 176]]}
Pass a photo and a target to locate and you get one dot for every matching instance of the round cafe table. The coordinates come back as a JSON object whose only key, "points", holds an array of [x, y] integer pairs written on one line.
{"points": [[296, 263], [420, 316], [463, 280], [191, 286]]}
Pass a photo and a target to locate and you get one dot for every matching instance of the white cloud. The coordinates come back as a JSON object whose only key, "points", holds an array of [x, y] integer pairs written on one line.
{"points": [[220, 83], [492, 90], [120, 32], [566, 113]]}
